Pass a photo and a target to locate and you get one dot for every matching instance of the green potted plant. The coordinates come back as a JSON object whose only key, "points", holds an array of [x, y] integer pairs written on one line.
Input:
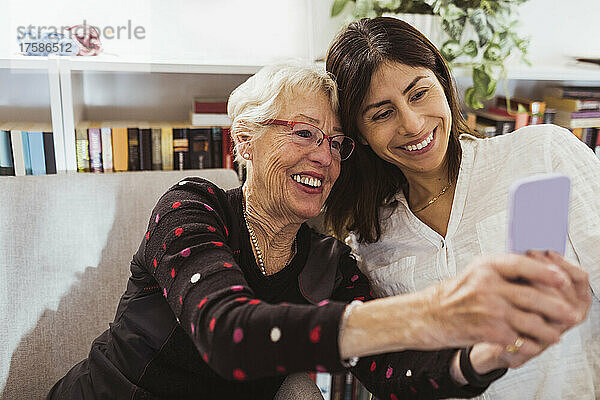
{"points": [[479, 34]]}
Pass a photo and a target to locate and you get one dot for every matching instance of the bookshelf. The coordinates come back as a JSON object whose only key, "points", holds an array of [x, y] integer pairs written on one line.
{"points": [[64, 91]]}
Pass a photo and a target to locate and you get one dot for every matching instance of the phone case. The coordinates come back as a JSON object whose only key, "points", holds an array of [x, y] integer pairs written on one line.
{"points": [[538, 215]]}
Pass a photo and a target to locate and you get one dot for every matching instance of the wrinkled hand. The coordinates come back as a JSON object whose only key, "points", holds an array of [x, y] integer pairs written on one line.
{"points": [[486, 356], [501, 298]]}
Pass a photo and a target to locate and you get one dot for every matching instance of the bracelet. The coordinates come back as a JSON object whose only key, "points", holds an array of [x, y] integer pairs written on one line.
{"points": [[352, 361], [472, 377]]}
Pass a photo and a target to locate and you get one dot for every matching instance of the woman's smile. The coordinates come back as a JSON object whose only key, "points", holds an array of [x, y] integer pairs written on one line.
{"points": [[421, 145]]}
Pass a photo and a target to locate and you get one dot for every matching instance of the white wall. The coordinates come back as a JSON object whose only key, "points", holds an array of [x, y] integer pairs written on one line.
{"points": [[262, 31]]}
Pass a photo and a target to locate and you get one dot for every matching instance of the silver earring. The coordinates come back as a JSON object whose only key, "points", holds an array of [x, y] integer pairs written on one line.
{"points": [[246, 156]]}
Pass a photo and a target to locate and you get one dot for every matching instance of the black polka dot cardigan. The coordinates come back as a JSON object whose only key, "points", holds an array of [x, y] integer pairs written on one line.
{"points": [[199, 320]]}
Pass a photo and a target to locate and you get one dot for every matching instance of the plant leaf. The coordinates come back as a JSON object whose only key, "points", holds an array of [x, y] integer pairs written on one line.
{"points": [[338, 7], [471, 99], [479, 21], [470, 48], [450, 50]]}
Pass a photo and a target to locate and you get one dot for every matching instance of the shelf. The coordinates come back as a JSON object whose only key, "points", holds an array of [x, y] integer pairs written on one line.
{"points": [[107, 64], [573, 71], [25, 63]]}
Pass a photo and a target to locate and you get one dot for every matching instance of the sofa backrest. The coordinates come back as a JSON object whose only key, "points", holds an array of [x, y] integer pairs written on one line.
{"points": [[65, 246]]}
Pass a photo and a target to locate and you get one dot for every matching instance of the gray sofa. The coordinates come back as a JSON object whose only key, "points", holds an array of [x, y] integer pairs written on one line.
{"points": [[65, 246]]}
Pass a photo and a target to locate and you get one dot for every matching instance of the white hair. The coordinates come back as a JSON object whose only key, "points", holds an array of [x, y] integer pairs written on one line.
{"points": [[264, 94]]}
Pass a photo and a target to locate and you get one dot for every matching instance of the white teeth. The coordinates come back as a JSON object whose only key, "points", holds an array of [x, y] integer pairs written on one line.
{"points": [[307, 180], [420, 145]]}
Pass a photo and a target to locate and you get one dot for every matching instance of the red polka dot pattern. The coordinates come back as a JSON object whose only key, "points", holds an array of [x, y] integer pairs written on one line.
{"points": [[434, 383], [192, 328], [212, 323], [180, 300], [202, 302], [254, 301], [389, 372], [176, 204], [315, 334], [211, 228], [164, 246], [238, 335], [240, 299], [210, 190], [227, 265], [205, 357], [185, 252], [373, 366], [178, 231], [323, 303], [156, 219], [154, 262], [218, 244], [393, 397], [172, 272], [354, 278], [147, 235], [237, 288], [165, 292], [239, 374]]}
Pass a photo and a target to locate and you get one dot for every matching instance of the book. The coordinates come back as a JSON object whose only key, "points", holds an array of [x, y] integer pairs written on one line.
{"points": [[26, 152], [227, 149], [568, 104], [133, 149], [156, 149], [120, 148], [95, 143], [145, 143], [573, 92], [180, 149], [36, 152], [589, 137], [597, 148], [485, 130], [82, 148], [206, 120], [534, 108], [107, 152], [206, 106], [6, 160], [503, 124], [216, 145], [166, 148], [199, 148], [338, 385], [49, 153], [323, 382], [18, 151], [577, 119], [349, 386]]}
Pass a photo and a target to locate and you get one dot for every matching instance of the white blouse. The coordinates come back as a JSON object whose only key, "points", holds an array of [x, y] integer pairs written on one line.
{"points": [[410, 256]]}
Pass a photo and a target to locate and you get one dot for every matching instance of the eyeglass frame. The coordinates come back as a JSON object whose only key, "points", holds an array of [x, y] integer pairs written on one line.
{"points": [[291, 124]]}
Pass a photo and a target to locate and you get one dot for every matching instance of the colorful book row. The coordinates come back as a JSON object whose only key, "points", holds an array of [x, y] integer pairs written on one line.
{"points": [[340, 386], [139, 147], [26, 149]]}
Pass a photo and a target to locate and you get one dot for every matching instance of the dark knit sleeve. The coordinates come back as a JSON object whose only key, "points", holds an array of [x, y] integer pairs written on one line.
{"points": [[238, 335], [400, 375]]}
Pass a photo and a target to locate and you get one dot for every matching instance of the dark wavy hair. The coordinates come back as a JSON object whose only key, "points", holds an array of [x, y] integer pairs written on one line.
{"points": [[367, 182]]}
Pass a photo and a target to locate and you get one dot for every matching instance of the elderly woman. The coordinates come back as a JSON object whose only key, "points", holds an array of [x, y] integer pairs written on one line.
{"points": [[232, 291], [441, 194]]}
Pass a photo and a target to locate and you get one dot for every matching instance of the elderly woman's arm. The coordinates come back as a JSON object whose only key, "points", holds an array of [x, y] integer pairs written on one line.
{"points": [[239, 336]]}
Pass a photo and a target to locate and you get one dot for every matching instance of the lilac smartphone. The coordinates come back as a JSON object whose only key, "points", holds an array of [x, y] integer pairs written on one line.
{"points": [[538, 214]]}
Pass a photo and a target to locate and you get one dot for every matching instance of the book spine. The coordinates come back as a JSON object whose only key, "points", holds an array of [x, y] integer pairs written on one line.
{"points": [[36, 150], [6, 160], [210, 107], [349, 386], [83, 155], [227, 149], [145, 141], [133, 149], [216, 146], [49, 155], [338, 384], [180, 149], [156, 149], [323, 382], [166, 144], [597, 148], [18, 152], [26, 153], [95, 142], [107, 152], [199, 143], [120, 147]]}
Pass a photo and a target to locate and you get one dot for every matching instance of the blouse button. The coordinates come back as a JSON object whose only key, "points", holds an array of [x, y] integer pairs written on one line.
{"points": [[195, 278]]}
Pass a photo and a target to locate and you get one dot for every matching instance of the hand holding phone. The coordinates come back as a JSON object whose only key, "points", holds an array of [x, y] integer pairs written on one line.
{"points": [[538, 214]]}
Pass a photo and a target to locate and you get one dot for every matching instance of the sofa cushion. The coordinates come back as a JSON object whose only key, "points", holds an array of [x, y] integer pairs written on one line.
{"points": [[65, 247]]}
